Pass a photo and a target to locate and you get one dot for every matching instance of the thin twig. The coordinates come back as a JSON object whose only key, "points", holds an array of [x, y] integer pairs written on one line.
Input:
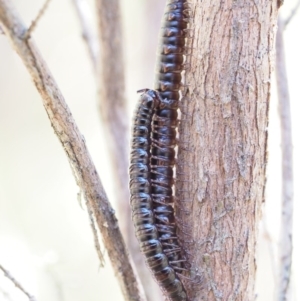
{"points": [[36, 20], [17, 284], [286, 239], [74, 145], [292, 14], [88, 34]]}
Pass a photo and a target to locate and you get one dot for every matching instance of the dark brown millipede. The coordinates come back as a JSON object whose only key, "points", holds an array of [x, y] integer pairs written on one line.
{"points": [[153, 157], [141, 202], [168, 83]]}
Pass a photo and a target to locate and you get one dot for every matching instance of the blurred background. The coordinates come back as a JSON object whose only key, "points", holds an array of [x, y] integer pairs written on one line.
{"points": [[45, 237]]}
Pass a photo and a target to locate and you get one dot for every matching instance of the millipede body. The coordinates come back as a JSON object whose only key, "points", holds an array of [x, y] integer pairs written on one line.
{"points": [[170, 64], [141, 202], [153, 157]]}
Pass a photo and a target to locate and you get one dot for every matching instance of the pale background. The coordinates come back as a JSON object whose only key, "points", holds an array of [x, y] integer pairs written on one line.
{"points": [[45, 238]]}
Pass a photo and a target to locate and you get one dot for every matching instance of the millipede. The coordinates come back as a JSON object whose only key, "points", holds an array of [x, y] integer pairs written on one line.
{"points": [[170, 65], [141, 202], [153, 157]]}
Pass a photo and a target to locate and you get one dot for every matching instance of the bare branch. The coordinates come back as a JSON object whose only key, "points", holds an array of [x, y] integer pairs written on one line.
{"points": [[292, 14], [36, 20], [286, 239], [8, 275], [88, 34], [74, 145]]}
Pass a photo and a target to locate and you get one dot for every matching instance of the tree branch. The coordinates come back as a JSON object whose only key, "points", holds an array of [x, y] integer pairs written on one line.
{"points": [[286, 239], [8, 275], [74, 145], [88, 34]]}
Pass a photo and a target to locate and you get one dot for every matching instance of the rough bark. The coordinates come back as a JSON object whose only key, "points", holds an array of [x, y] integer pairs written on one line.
{"points": [[222, 151]]}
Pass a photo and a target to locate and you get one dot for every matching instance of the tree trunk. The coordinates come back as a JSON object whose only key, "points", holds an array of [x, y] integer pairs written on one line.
{"points": [[222, 152]]}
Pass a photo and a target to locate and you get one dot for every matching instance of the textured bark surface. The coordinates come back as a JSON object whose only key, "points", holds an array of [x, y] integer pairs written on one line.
{"points": [[222, 151]]}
